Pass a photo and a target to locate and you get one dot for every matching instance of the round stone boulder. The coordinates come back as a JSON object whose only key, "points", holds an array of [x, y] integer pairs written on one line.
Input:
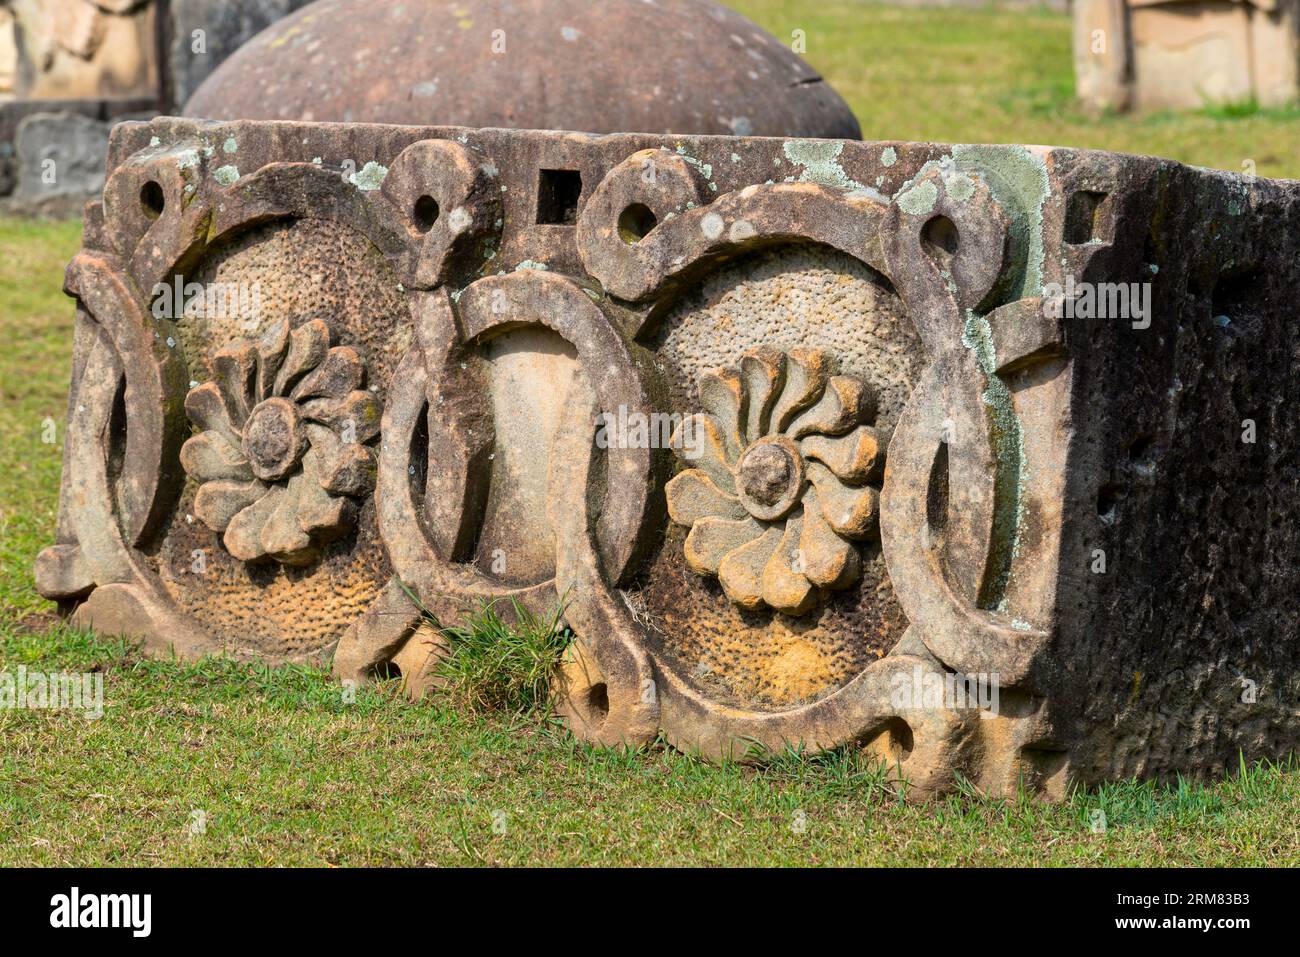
{"points": [[649, 66]]}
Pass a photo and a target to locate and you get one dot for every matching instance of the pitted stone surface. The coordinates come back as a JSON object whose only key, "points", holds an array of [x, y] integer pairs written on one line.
{"points": [[788, 297]]}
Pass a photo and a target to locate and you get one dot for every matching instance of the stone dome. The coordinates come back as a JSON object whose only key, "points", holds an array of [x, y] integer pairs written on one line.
{"points": [[651, 66]]}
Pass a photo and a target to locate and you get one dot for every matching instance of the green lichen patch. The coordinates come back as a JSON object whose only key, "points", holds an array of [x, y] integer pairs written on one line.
{"points": [[1017, 177], [369, 177], [820, 160], [1008, 446], [918, 199]]}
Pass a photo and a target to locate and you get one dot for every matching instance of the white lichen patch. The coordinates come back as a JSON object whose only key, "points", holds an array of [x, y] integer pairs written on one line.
{"points": [[918, 199], [820, 160], [369, 177], [458, 219], [741, 230], [226, 175]]}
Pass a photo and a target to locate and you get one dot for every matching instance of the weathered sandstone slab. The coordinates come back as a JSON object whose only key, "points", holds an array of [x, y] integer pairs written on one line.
{"points": [[981, 457]]}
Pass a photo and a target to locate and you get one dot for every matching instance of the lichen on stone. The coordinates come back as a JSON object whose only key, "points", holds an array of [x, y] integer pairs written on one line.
{"points": [[820, 160], [369, 177]]}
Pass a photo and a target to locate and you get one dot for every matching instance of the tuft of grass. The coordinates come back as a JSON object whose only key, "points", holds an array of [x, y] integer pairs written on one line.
{"points": [[500, 666], [843, 773]]}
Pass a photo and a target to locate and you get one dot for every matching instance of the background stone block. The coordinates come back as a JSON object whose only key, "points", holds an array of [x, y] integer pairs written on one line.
{"points": [[1158, 54]]}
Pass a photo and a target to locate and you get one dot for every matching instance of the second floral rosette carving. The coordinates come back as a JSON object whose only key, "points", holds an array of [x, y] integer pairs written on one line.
{"points": [[782, 477]]}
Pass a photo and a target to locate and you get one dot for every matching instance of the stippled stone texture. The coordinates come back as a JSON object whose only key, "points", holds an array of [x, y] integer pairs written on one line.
{"points": [[815, 441]]}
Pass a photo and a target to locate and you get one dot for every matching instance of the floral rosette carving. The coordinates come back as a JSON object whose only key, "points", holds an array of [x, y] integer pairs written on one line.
{"points": [[281, 459], [782, 476]]}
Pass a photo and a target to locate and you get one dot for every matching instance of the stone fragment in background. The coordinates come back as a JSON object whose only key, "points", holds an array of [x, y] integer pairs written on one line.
{"points": [[1185, 54]]}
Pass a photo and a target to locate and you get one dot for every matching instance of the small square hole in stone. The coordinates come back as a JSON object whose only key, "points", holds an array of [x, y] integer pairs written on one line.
{"points": [[557, 196], [1084, 215]]}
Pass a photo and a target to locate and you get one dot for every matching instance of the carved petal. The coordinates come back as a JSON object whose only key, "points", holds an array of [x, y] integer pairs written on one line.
{"points": [[210, 455], [319, 513], [698, 443], [854, 458], [828, 560], [282, 538], [243, 536], [846, 402], [692, 495], [711, 538], [784, 588], [345, 468], [205, 406], [851, 512], [741, 569], [217, 503], [806, 374], [763, 370], [234, 368], [340, 373], [360, 410], [270, 353], [723, 397], [308, 345]]}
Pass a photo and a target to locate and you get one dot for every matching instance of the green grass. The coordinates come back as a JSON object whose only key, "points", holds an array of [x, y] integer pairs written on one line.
{"points": [[286, 771], [1003, 76], [494, 665], [36, 321]]}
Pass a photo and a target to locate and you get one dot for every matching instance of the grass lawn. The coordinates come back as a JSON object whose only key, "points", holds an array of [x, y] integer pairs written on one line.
{"points": [[278, 769], [1003, 76]]}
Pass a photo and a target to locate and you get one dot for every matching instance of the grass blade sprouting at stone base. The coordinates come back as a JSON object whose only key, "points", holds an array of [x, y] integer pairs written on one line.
{"points": [[498, 665]]}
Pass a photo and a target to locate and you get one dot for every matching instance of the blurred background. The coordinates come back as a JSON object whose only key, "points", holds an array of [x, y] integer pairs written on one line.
{"points": [[1005, 74]]}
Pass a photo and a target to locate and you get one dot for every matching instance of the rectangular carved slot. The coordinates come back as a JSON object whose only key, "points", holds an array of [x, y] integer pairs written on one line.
{"points": [[558, 191]]}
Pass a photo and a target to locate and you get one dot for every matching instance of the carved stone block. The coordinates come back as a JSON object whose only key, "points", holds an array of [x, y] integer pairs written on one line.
{"points": [[980, 457]]}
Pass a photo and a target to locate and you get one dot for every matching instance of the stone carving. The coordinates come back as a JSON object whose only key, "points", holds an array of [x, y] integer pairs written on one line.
{"points": [[8, 53], [780, 490], [69, 69], [86, 48], [1157, 54], [1050, 520], [280, 458]]}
